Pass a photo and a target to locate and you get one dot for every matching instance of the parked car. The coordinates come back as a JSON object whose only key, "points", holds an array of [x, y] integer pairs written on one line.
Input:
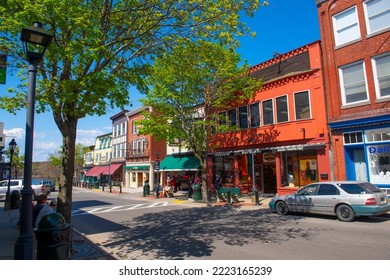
{"points": [[344, 199], [17, 184], [14, 185]]}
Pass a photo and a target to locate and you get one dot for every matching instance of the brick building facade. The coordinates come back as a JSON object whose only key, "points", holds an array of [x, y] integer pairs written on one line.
{"points": [[356, 54]]}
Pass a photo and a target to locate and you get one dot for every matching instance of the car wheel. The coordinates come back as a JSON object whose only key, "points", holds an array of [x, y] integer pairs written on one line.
{"points": [[345, 213], [281, 208]]}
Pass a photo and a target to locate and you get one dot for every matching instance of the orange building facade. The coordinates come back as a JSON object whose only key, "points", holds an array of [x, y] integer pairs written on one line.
{"points": [[281, 140], [355, 40]]}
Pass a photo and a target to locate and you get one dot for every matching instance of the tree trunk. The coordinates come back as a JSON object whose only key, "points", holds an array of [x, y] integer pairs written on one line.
{"points": [[68, 130]]}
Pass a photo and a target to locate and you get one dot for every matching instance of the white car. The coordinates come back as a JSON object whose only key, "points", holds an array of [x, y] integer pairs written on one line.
{"points": [[17, 184]]}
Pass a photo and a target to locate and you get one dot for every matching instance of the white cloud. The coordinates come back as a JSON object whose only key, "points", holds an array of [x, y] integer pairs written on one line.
{"points": [[17, 133], [87, 137]]}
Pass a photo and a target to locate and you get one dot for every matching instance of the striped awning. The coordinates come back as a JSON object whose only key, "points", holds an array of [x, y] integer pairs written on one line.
{"points": [[286, 148]]}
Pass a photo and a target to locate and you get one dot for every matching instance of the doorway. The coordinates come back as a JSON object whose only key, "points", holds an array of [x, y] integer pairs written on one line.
{"points": [[269, 178]]}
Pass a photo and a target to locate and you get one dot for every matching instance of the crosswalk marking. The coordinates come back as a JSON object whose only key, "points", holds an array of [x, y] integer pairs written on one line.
{"points": [[99, 210]]}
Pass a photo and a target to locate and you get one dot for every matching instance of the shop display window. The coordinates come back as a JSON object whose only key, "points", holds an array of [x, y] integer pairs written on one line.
{"points": [[299, 168], [224, 168], [379, 163]]}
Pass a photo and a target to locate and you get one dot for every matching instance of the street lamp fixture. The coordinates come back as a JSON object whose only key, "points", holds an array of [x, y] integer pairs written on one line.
{"points": [[7, 204], [35, 42]]}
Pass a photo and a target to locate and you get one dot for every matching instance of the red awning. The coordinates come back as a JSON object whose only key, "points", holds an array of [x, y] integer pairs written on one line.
{"points": [[110, 169], [95, 171]]}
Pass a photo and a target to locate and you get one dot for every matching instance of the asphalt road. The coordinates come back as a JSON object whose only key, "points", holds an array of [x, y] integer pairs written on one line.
{"points": [[131, 229]]}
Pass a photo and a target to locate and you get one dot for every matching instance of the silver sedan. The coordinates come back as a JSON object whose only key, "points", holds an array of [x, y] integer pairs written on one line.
{"points": [[345, 199]]}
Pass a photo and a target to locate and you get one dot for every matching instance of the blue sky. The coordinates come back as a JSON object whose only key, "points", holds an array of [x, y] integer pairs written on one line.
{"points": [[281, 27]]}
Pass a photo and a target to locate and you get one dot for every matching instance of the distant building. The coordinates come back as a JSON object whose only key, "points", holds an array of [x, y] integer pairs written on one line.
{"points": [[142, 153]]}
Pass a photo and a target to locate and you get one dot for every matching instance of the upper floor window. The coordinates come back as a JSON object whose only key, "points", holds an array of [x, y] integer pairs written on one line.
{"points": [[222, 118], [135, 130], [243, 117], [255, 114], [346, 26], [377, 13], [281, 109], [302, 105], [268, 112], [119, 130], [232, 118], [353, 83], [124, 131], [381, 67], [144, 143], [353, 137]]}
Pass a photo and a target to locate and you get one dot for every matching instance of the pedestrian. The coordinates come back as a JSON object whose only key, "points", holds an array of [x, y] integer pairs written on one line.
{"points": [[41, 201], [47, 208]]}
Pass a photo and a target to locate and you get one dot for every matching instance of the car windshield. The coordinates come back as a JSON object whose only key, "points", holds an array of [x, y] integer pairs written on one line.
{"points": [[360, 188]]}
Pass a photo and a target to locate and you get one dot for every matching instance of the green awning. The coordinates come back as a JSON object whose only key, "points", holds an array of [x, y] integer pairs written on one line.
{"points": [[180, 163], [137, 167]]}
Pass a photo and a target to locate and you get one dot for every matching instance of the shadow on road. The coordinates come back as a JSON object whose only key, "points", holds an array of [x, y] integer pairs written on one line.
{"points": [[193, 232]]}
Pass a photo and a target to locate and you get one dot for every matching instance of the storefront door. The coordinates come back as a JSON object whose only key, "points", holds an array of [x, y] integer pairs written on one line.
{"points": [[358, 167], [269, 178]]}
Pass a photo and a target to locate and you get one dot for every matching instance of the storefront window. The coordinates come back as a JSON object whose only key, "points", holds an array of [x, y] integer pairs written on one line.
{"points": [[299, 168], [244, 169], [379, 164], [378, 135], [224, 168]]}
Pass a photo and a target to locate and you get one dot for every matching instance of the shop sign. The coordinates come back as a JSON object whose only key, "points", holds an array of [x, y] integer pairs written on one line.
{"points": [[269, 157], [379, 150]]}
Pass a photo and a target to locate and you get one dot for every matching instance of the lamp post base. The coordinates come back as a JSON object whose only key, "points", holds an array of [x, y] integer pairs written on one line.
{"points": [[25, 248], [7, 205]]}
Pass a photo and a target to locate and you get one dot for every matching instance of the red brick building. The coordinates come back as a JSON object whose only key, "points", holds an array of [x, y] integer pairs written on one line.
{"points": [[355, 41], [142, 153], [280, 140]]}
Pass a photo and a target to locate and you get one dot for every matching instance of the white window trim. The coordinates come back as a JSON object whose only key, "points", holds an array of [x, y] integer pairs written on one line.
{"points": [[310, 108], [342, 88], [368, 26], [376, 79], [247, 117], [350, 132], [250, 114], [273, 111], [288, 112], [334, 21]]}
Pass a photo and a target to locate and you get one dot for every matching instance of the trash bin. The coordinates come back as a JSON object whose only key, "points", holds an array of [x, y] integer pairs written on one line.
{"points": [[15, 199], [53, 238], [146, 188], [197, 194]]}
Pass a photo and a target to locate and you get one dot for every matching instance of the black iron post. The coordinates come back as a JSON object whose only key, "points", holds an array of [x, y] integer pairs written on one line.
{"points": [[7, 204], [26, 244], [157, 168]]}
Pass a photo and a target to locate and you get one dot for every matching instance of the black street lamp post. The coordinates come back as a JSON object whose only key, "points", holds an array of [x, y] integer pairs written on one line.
{"points": [[7, 204], [35, 41]]}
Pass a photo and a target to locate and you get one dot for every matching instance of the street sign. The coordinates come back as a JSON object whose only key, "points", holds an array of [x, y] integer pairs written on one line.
{"points": [[157, 164]]}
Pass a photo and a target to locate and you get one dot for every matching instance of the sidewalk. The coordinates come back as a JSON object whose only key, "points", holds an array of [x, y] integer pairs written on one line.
{"points": [[82, 247]]}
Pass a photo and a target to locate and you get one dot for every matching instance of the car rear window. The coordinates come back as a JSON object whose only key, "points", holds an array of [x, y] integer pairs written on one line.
{"points": [[360, 188]]}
